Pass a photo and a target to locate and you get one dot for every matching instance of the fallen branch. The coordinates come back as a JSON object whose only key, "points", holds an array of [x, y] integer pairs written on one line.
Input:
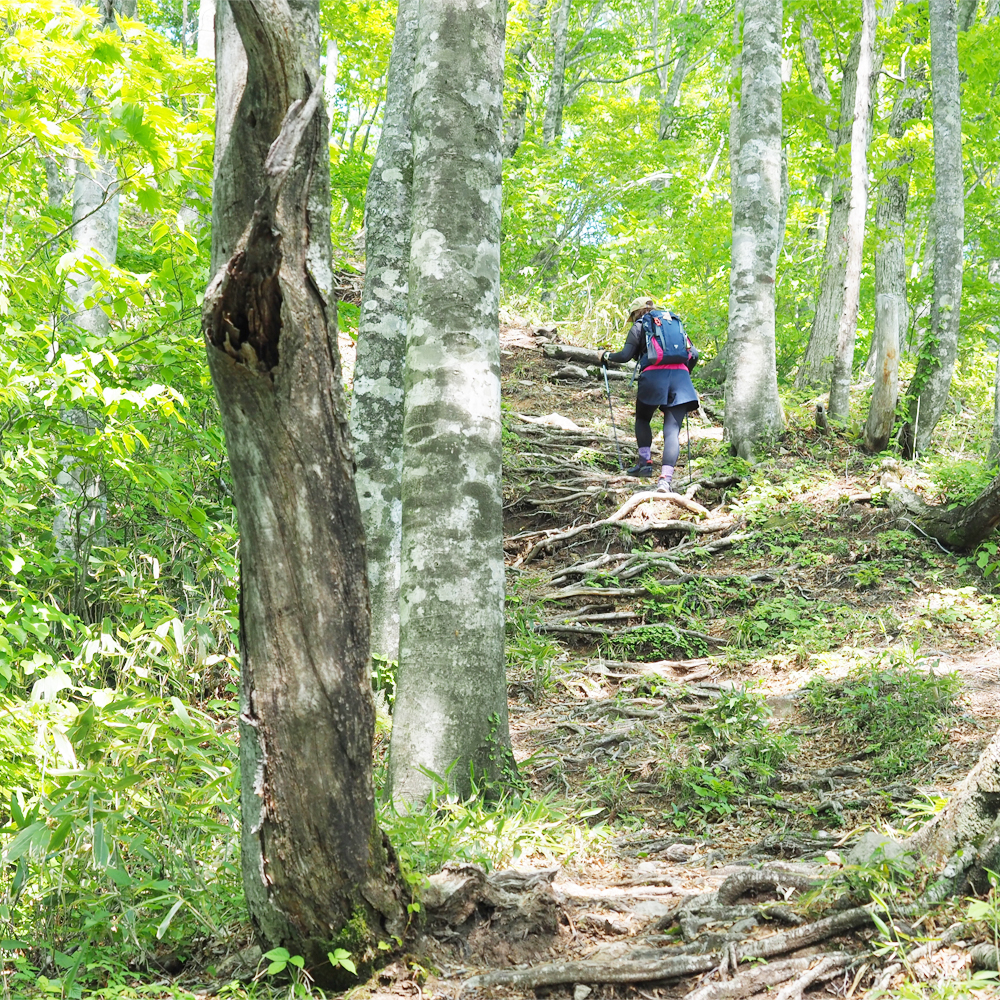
{"points": [[753, 980], [569, 629]]}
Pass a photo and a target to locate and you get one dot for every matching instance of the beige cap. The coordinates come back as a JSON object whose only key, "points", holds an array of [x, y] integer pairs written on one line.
{"points": [[642, 302]]}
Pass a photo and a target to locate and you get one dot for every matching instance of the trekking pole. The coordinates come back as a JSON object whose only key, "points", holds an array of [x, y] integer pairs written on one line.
{"points": [[607, 386], [687, 427]]}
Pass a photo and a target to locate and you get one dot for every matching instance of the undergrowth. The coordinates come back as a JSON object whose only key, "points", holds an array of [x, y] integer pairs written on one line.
{"points": [[890, 711]]}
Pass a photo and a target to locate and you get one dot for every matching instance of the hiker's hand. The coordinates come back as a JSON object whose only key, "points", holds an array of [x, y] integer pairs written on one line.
{"points": [[604, 359]]}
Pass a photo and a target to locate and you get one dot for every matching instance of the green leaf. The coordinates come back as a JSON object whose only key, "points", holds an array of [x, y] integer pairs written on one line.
{"points": [[165, 922]]}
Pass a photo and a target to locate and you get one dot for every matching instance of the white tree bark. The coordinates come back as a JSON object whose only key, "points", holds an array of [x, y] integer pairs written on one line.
{"points": [[840, 390], [377, 403], [514, 121], [891, 309], [817, 364], [672, 73], [929, 389], [450, 715], [753, 410], [554, 97]]}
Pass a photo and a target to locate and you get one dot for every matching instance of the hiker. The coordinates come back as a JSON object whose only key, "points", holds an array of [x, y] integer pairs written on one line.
{"points": [[665, 359]]}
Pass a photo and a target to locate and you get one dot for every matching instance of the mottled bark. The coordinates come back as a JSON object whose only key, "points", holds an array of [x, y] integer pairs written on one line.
{"points": [[555, 95], [514, 121], [967, 14], [450, 716], [891, 309], [377, 402], [817, 364], [868, 68], [313, 858], [753, 410], [928, 392]]}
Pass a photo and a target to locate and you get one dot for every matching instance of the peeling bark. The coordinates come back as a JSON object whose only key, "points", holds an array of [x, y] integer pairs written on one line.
{"points": [[753, 410], [867, 75], [377, 401], [931, 383], [450, 715], [314, 860]]}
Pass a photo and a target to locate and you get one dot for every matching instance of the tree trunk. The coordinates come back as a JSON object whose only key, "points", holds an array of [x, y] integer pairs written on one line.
{"points": [[450, 716], [891, 310], [671, 82], [316, 870], [928, 391], [994, 453], [867, 75], [958, 527], [552, 125], [753, 409], [514, 122], [377, 403], [817, 364]]}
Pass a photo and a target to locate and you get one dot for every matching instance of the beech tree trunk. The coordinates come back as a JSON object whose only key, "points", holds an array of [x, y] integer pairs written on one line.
{"points": [[843, 362], [753, 410], [928, 392], [672, 79], [891, 309], [316, 870], [552, 124], [817, 364], [450, 716], [377, 402]]}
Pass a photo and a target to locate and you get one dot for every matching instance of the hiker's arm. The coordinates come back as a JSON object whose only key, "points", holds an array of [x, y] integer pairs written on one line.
{"points": [[692, 356], [632, 349]]}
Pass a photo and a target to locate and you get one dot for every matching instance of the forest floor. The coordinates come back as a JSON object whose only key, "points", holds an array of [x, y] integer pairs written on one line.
{"points": [[802, 671]]}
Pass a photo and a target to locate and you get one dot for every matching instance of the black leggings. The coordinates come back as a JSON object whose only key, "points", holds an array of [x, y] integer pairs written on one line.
{"points": [[673, 417]]}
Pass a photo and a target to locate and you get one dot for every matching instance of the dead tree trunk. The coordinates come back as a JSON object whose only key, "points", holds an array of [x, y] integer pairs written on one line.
{"points": [[314, 860]]}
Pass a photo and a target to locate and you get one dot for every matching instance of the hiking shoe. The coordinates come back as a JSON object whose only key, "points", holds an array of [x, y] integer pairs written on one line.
{"points": [[641, 469], [663, 485]]}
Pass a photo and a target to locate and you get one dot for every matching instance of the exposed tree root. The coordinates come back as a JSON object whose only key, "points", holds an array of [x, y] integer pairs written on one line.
{"points": [[591, 630], [741, 883]]}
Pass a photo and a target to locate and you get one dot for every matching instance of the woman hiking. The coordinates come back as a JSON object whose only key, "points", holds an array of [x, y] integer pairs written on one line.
{"points": [[665, 359]]}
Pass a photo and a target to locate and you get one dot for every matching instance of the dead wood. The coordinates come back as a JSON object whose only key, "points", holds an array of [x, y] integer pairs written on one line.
{"points": [[752, 980], [582, 355]]}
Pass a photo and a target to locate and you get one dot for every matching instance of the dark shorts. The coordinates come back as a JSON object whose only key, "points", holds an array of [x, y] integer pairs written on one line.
{"points": [[667, 387]]}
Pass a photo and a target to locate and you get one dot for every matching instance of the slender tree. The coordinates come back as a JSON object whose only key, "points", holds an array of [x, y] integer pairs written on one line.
{"points": [[931, 382], [891, 309], [450, 715], [377, 402], [313, 858], [840, 390], [514, 120], [555, 95], [673, 61], [817, 364], [753, 409]]}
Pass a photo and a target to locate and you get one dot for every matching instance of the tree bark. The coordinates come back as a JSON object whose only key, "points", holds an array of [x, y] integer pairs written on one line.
{"points": [[928, 392], [891, 309], [817, 364], [316, 871], [377, 402], [552, 124], [994, 453], [450, 715], [958, 527], [672, 81], [753, 410], [867, 75]]}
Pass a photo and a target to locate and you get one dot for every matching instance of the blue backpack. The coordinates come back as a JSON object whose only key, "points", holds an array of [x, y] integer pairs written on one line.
{"points": [[666, 342]]}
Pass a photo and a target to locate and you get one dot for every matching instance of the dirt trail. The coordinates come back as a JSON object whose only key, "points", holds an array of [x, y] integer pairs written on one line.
{"points": [[599, 718]]}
